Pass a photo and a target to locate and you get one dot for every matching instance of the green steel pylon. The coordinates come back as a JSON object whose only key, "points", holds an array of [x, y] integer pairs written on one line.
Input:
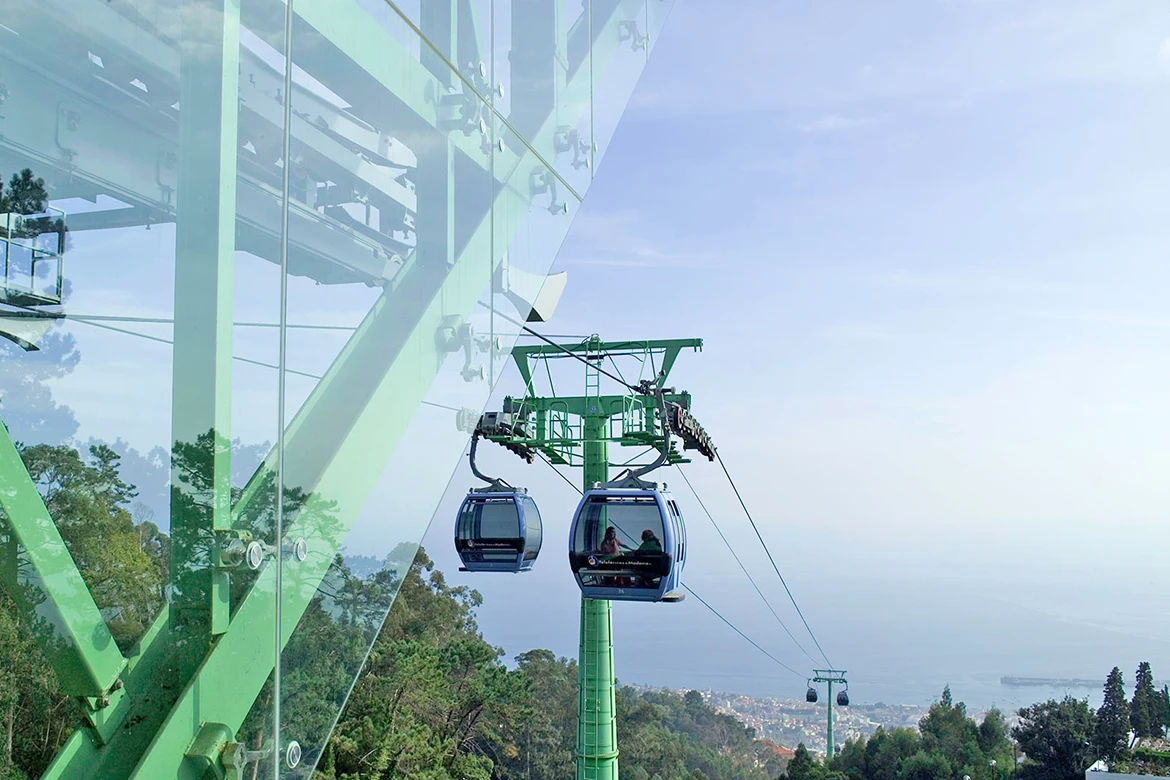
{"points": [[830, 676], [597, 750], [577, 431]]}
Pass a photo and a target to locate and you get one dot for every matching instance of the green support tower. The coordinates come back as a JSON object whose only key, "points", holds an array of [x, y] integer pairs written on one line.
{"points": [[577, 431], [831, 676]]}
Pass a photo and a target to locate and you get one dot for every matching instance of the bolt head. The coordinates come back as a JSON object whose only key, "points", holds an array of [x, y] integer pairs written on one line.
{"points": [[255, 555], [500, 145], [292, 755], [300, 549], [482, 70]]}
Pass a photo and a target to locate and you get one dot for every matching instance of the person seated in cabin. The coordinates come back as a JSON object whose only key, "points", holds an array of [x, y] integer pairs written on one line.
{"points": [[650, 542], [610, 544]]}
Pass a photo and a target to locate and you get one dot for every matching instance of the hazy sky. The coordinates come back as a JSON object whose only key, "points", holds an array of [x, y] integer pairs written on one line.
{"points": [[926, 245]]}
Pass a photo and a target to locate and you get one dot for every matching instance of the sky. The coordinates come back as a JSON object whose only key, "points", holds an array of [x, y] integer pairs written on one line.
{"points": [[926, 247], [924, 244]]}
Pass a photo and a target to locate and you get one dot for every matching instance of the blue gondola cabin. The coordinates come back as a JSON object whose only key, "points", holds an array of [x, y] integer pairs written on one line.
{"points": [[628, 544], [498, 531]]}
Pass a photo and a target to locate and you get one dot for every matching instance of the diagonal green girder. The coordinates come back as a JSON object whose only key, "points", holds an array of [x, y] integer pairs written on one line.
{"points": [[48, 588]]}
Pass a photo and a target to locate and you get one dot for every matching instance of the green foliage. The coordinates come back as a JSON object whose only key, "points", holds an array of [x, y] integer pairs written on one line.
{"points": [[26, 194], [1056, 737], [434, 701], [1146, 708], [948, 744], [122, 564], [1111, 739], [802, 766]]}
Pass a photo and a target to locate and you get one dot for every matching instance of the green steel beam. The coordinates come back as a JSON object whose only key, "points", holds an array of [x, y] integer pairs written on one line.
{"points": [[202, 358], [669, 348], [577, 405], [597, 743], [47, 587]]}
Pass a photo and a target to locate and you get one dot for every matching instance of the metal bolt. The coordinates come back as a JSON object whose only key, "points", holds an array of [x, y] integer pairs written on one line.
{"points": [[292, 755], [500, 145], [255, 555], [300, 549]]}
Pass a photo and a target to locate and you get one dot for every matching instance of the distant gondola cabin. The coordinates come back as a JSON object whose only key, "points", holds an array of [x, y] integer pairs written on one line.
{"points": [[498, 531]]}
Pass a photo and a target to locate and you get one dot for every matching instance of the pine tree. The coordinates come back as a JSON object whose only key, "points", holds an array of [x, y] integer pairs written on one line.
{"points": [[1112, 737], [1145, 710], [801, 766], [27, 194]]}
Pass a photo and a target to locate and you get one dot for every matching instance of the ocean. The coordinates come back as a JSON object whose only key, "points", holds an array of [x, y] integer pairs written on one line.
{"points": [[901, 638]]}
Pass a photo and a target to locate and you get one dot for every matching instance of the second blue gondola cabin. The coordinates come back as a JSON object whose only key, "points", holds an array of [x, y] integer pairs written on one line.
{"points": [[498, 531]]}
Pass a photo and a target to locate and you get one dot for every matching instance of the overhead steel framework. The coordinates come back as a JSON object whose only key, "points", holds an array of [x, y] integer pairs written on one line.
{"points": [[113, 99]]}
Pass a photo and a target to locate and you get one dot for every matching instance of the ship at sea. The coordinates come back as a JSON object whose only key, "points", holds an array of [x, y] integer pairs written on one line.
{"points": [[1048, 682]]}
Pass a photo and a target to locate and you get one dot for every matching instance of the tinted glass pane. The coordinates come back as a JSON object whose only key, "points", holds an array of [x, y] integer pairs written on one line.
{"points": [[499, 520], [630, 518]]}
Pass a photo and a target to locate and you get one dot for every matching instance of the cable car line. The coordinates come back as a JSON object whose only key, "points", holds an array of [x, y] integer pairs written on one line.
{"points": [[568, 352], [91, 321], [689, 589], [742, 634], [770, 558], [742, 567]]}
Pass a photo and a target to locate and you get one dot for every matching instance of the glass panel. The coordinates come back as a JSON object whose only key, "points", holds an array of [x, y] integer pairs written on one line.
{"points": [[161, 374], [533, 529], [498, 519], [463, 41], [656, 13], [542, 61], [619, 55], [531, 216], [387, 355], [636, 524]]}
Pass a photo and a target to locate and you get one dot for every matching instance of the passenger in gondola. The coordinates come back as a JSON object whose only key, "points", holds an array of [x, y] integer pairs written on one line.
{"points": [[610, 544], [650, 542]]}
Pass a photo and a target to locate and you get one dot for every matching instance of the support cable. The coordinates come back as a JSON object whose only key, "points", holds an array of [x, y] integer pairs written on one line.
{"points": [[249, 361], [731, 625], [755, 528], [742, 567], [770, 558], [688, 589], [568, 352]]}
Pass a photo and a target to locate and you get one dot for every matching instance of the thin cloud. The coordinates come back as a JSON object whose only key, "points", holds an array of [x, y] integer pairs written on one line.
{"points": [[1111, 319], [618, 238], [834, 123]]}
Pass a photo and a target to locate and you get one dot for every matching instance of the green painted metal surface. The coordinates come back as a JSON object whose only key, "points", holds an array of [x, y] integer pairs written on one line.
{"points": [[202, 365], [52, 595]]}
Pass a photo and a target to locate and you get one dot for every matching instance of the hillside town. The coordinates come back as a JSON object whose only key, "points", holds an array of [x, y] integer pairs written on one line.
{"points": [[789, 722]]}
